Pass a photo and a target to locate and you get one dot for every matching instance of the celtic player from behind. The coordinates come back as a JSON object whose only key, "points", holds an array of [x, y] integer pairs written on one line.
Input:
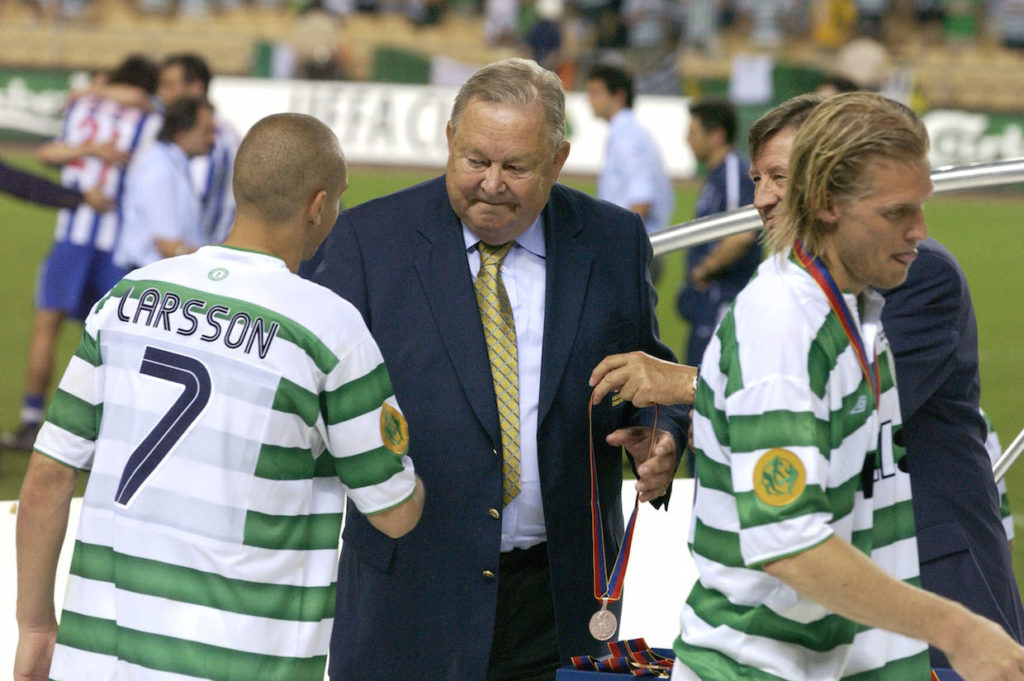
{"points": [[225, 407]]}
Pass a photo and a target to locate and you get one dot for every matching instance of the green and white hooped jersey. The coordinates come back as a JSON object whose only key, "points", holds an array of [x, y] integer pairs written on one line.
{"points": [[224, 407], [783, 424]]}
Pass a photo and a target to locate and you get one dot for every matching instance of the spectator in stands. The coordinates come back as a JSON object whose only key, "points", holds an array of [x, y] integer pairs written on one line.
{"points": [[833, 84], [544, 37], [500, 22], [162, 213], [833, 22], [701, 25], [51, 10], [603, 27], [1010, 19], [315, 44], [864, 61], [647, 22], [99, 137], [869, 17]]}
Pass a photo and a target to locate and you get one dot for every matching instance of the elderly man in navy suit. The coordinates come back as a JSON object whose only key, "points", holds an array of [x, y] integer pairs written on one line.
{"points": [[497, 580]]}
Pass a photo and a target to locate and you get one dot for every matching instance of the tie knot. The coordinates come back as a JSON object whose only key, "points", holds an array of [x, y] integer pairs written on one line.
{"points": [[493, 255]]}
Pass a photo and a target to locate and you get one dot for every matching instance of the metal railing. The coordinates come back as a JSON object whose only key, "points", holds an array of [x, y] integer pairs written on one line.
{"points": [[944, 180]]}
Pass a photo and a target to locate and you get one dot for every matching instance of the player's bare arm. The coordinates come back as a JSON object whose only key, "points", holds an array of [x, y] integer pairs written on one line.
{"points": [[42, 522], [399, 520], [847, 582]]}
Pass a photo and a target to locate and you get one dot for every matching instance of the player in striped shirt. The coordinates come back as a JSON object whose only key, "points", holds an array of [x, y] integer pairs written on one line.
{"points": [[874, 653], [796, 403], [225, 407]]}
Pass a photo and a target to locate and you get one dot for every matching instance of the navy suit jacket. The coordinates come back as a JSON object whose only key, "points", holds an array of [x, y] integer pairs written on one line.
{"points": [[423, 606], [963, 549]]}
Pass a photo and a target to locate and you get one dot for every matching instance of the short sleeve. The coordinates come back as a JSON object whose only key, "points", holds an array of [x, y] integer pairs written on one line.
{"points": [[367, 434]]}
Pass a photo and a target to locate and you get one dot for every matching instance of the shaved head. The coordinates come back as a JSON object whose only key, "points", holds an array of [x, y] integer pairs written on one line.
{"points": [[283, 162]]}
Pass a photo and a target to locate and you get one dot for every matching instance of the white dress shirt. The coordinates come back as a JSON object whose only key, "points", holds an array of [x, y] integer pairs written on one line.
{"points": [[523, 273], [159, 203], [634, 172]]}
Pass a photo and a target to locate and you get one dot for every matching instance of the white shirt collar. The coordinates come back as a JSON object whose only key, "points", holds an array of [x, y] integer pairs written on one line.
{"points": [[532, 239]]}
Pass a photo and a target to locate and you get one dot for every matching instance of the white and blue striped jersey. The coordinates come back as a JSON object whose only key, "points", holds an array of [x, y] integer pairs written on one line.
{"points": [[211, 177], [99, 120]]}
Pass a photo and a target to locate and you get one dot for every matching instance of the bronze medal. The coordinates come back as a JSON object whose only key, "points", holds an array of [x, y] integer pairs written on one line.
{"points": [[603, 624]]}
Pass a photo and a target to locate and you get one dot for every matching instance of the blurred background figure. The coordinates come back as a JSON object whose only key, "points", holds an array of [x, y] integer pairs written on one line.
{"points": [[162, 212], [633, 175], [99, 137], [501, 22], [543, 38], [833, 84], [701, 25], [37, 189], [315, 44], [188, 75], [716, 271]]}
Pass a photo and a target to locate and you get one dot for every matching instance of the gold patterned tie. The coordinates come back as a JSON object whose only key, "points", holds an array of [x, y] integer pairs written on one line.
{"points": [[500, 334]]}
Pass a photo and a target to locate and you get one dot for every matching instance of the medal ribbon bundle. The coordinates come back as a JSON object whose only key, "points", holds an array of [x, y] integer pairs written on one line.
{"points": [[632, 657], [607, 588]]}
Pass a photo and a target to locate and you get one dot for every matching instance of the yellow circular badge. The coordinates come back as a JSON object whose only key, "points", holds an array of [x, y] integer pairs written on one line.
{"points": [[779, 477], [394, 431]]}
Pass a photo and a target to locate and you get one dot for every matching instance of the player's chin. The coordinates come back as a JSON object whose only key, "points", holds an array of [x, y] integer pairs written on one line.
{"points": [[894, 276]]}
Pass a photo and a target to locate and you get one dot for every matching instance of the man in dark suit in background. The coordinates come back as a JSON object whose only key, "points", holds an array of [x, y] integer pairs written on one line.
{"points": [[961, 542], [497, 581]]}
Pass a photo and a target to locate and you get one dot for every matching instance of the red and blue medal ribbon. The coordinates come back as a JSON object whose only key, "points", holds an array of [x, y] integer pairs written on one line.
{"points": [[607, 587], [627, 657], [816, 268]]}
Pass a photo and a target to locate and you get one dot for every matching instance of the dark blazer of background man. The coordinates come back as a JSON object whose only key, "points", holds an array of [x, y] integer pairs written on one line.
{"points": [[961, 542], [425, 607]]}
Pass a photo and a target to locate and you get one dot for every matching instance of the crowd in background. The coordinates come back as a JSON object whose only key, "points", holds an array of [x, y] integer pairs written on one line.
{"points": [[641, 24]]}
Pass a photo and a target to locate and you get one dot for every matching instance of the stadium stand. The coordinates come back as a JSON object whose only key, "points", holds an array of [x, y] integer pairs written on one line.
{"points": [[974, 75]]}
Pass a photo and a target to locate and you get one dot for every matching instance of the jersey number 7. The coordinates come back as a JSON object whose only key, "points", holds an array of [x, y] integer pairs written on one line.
{"points": [[193, 376]]}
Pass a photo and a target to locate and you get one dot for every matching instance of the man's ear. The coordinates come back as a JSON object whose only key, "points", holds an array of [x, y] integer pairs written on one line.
{"points": [[561, 153], [315, 209], [829, 214]]}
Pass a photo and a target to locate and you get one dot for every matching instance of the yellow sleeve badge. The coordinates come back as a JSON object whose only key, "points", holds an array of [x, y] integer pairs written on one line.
{"points": [[394, 431], [779, 477]]}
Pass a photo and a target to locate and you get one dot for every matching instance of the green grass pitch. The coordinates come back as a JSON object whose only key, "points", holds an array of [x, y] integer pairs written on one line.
{"points": [[984, 232]]}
